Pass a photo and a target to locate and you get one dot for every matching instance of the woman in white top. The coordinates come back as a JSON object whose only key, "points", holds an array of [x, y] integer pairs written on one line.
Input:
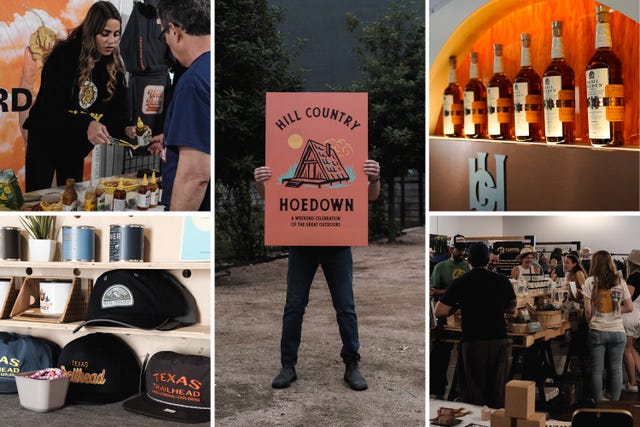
{"points": [[527, 267], [606, 298]]}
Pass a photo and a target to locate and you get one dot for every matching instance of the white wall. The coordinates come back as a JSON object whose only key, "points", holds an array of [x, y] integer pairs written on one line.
{"points": [[615, 233]]}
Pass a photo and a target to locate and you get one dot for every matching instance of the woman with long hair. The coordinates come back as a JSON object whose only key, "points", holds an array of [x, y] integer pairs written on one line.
{"points": [[574, 272], [606, 298], [81, 102], [632, 322]]}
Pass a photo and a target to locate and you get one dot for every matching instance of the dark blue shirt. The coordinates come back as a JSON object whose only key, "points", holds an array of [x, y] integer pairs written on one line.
{"points": [[188, 123]]}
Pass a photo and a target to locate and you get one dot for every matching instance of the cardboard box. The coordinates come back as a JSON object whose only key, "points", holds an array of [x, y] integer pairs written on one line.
{"points": [[520, 399], [536, 420], [500, 419]]}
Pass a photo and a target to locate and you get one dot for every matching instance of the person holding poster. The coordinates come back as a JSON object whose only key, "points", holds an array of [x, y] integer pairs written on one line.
{"points": [[185, 144], [81, 101], [337, 265]]}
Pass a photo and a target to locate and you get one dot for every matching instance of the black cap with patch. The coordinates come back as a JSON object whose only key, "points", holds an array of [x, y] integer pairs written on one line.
{"points": [[177, 388], [102, 369], [145, 299]]}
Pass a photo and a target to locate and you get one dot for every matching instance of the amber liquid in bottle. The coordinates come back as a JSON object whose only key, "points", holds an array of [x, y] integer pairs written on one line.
{"points": [[605, 90], [558, 83], [143, 196], [499, 100], [69, 196], [119, 202], [452, 104], [527, 97], [475, 103]]}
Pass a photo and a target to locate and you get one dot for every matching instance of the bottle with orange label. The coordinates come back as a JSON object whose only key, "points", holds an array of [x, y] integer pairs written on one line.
{"points": [[499, 99], [558, 85], [605, 91], [527, 97], [452, 105], [475, 102]]}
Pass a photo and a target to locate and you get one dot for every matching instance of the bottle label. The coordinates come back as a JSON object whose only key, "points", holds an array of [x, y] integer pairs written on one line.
{"points": [[614, 101], [153, 200], [559, 106], [447, 122], [469, 125], [72, 207], [520, 91], [533, 108], [119, 204], [100, 202], [597, 80], [143, 200], [498, 110], [603, 35]]}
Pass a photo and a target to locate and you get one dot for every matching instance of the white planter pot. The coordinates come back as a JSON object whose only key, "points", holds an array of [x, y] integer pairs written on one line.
{"points": [[41, 250]]}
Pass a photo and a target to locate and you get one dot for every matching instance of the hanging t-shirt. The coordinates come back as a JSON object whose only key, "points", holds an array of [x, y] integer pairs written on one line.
{"points": [[606, 314]]}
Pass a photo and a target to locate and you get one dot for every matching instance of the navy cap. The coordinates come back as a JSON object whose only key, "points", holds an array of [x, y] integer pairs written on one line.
{"points": [[23, 353], [102, 369], [177, 388]]}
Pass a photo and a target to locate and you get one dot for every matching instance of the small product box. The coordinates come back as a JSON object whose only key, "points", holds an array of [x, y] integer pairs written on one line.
{"points": [[520, 399], [500, 419], [41, 395], [536, 420]]}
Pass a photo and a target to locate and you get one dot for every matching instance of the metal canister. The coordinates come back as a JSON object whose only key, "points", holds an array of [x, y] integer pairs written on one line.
{"points": [[78, 243], [9, 243], [126, 242]]}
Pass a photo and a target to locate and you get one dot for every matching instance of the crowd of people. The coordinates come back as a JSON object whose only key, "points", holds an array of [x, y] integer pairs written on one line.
{"points": [[469, 280]]}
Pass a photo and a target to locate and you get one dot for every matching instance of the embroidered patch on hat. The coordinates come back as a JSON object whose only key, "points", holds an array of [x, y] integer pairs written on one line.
{"points": [[117, 296]]}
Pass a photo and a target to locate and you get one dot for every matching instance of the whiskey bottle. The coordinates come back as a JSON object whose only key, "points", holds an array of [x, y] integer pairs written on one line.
{"points": [[452, 105], [605, 91], [527, 97], [475, 103], [499, 99], [558, 83]]}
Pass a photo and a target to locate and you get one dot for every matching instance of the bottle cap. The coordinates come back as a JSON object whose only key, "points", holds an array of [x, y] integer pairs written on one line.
{"points": [[140, 124], [153, 177], [144, 180], [452, 61], [497, 49], [474, 56]]}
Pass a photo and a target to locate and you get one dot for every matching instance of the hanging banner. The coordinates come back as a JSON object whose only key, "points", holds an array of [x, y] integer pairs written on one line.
{"points": [[316, 146], [28, 31]]}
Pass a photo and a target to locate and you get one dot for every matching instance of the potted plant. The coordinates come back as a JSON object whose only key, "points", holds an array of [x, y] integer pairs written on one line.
{"points": [[41, 228]]}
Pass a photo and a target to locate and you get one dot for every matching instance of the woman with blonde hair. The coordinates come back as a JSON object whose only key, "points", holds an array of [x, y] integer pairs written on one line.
{"points": [[81, 101], [606, 298]]}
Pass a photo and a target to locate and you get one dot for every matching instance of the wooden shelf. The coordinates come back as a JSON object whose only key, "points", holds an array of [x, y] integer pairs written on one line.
{"points": [[579, 145]]}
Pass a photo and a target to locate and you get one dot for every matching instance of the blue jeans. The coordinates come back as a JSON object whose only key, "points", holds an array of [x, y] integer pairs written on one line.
{"points": [[613, 344], [337, 265]]}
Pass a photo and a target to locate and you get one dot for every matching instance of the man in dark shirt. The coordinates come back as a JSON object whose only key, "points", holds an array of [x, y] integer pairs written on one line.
{"points": [[483, 297]]}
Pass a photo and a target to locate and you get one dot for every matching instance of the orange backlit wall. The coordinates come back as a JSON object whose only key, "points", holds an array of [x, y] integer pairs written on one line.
{"points": [[578, 18]]}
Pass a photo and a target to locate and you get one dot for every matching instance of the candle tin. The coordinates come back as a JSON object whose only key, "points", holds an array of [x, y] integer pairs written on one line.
{"points": [[78, 243], [9, 244], [126, 243]]}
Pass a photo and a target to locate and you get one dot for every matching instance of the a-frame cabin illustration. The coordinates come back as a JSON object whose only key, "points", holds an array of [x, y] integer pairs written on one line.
{"points": [[319, 165]]}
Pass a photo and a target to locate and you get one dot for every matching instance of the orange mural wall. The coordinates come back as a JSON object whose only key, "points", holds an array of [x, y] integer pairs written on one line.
{"points": [[578, 18], [19, 19]]}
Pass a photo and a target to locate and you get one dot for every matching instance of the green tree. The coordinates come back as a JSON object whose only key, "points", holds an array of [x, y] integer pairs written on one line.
{"points": [[250, 60], [392, 58]]}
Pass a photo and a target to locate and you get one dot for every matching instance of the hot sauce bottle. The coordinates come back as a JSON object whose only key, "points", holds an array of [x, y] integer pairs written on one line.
{"points": [[69, 196], [144, 195], [154, 189], [119, 202]]}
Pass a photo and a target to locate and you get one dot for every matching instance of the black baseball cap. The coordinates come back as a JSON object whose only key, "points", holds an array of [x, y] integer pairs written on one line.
{"points": [[177, 388], [23, 353], [145, 299], [457, 241], [103, 369]]}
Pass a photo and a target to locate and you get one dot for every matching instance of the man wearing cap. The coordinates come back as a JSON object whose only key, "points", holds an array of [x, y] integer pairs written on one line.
{"points": [[483, 297], [443, 274], [337, 265]]}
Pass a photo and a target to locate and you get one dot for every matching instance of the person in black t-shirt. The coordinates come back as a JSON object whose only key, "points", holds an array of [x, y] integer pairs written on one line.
{"points": [[483, 297]]}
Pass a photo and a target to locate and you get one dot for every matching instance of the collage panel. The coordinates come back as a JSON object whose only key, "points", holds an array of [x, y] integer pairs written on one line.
{"points": [[524, 312], [106, 298], [105, 317], [531, 104], [320, 148]]}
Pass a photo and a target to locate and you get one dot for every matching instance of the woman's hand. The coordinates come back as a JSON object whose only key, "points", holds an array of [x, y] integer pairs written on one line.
{"points": [[97, 133], [262, 173]]}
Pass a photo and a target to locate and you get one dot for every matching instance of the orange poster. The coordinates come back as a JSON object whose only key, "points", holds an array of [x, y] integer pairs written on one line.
{"points": [[316, 146]]}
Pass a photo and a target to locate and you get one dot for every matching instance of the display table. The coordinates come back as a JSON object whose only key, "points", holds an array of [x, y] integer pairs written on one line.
{"points": [[34, 197]]}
